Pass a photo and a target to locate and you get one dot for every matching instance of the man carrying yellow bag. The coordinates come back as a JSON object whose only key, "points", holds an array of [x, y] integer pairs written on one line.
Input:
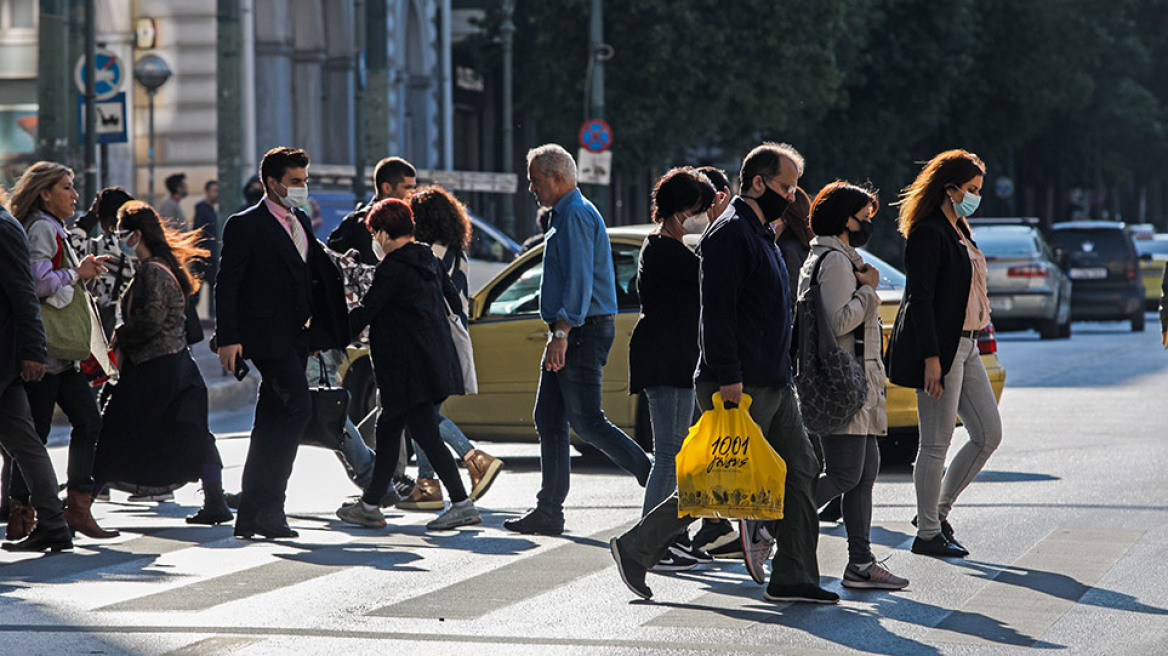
{"points": [[727, 469], [745, 337]]}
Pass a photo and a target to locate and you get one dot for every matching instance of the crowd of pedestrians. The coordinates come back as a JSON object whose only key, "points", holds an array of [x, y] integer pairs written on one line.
{"points": [[717, 281]]}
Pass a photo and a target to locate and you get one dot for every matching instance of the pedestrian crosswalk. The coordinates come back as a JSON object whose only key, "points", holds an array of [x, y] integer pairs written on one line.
{"points": [[222, 595]]}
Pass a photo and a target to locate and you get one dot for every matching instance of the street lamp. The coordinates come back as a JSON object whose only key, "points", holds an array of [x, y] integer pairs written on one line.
{"points": [[151, 72]]}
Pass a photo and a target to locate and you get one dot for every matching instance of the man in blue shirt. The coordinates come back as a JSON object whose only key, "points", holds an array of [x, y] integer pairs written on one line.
{"points": [[745, 336], [578, 301]]}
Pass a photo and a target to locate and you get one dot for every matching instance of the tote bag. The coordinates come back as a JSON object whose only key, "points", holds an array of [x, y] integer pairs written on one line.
{"points": [[462, 344], [330, 410], [726, 468], [831, 381]]}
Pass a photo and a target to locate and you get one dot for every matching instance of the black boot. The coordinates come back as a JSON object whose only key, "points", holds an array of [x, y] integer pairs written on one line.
{"points": [[214, 510], [44, 539]]}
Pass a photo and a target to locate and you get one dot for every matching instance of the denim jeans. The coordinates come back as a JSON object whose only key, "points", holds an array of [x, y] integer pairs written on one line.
{"points": [[571, 397], [451, 436], [671, 412], [357, 457], [968, 393]]}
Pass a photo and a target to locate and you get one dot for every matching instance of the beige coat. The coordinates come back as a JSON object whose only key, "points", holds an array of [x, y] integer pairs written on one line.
{"points": [[847, 304]]}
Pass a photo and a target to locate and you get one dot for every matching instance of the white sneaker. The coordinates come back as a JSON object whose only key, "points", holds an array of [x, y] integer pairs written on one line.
{"points": [[455, 516], [873, 576]]}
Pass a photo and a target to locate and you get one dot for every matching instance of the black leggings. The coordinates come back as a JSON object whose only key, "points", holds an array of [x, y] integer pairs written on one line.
{"points": [[422, 420]]}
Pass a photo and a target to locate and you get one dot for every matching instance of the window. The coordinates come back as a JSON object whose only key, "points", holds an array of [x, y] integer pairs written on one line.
{"points": [[519, 294], [624, 261], [18, 14]]}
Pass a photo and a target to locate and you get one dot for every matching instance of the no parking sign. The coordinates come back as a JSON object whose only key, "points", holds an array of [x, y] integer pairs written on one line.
{"points": [[595, 136]]}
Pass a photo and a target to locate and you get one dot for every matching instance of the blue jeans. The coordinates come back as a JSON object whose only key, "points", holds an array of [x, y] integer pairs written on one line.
{"points": [[451, 435], [671, 412], [358, 457], [571, 397]]}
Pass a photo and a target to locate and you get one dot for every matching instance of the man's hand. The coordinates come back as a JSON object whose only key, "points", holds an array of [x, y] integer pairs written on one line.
{"points": [[868, 275], [553, 354], [933, 377], [31, 371], [227, 355], [732, 393], [90, 268]]}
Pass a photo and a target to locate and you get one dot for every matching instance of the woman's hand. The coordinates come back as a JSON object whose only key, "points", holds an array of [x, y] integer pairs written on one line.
{"points": [[933, 377], [868, 275], [90, 268]]}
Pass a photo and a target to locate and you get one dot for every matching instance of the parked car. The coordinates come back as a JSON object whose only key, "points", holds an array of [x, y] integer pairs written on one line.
{"points": [[1103, 265], [491, 250], [1026, 288], [1153, 250], [509, 337]]}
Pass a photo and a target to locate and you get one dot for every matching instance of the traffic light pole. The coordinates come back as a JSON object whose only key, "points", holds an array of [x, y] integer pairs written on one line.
{"points": [[596, 42]]}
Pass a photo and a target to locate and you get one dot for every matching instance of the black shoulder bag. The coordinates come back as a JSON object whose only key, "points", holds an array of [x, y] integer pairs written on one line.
{"points": [[831, 382], [330, 409]]}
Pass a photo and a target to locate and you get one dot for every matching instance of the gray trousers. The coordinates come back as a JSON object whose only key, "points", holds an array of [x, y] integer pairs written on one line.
{"points": [[19, 438], [853, 461], [967, 393], [776, 411]]}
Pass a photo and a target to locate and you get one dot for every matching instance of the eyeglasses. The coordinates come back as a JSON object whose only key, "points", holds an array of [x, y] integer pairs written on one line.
{"points": [[122, 234]]}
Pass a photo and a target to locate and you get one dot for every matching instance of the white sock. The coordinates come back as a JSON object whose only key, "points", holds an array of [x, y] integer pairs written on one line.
{"points": [[462, 504], [368, 507]]}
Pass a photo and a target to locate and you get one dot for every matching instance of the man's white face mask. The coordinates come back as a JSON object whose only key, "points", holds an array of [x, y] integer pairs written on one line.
{"points": [[696, 224]]}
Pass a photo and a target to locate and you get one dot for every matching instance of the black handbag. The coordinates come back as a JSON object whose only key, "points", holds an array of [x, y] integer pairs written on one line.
{"points": [[330, 411], [831, 382]]}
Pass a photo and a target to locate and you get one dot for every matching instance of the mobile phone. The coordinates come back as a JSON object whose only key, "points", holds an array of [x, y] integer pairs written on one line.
{"points": [[241, 368]]}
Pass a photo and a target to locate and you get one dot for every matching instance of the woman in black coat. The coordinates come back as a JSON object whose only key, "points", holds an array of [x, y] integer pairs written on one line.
{"points": [[415, 362], [933, 346]]}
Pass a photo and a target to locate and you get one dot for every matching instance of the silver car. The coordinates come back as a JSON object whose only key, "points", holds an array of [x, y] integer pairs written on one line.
{"points": [[1026, 288]]}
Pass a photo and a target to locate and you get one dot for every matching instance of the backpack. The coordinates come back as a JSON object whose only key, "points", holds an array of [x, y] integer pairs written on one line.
{"points": [[831, 381]]}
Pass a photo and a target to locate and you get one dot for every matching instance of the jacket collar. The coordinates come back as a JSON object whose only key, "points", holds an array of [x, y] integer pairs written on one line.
{"points": [[821, 244], [278, 236]]}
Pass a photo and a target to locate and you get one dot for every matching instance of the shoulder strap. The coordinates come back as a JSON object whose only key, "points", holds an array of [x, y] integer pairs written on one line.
{"points": [[858, 333]]}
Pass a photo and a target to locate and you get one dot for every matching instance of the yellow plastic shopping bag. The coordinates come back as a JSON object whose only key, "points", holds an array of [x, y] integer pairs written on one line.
{"points": [[727, 469]]}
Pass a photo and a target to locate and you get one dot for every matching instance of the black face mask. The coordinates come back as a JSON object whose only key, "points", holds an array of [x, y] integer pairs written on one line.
{"points": [[858, 238], [772, 204]]}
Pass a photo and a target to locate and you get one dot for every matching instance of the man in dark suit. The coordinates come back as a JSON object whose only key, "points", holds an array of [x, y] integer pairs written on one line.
{"points": [[278, 298], [22, 358]]}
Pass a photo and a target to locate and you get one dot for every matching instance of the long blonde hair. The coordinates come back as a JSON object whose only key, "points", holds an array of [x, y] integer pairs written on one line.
{"points": [[26, 196], [927, 192]]}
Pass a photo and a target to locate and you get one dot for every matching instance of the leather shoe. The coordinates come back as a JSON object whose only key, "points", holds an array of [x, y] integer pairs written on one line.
{"points": [[245, 529], [44, 539], [938, 546], [535, 522]]}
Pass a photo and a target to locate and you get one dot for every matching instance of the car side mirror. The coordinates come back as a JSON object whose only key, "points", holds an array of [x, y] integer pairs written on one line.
{"points": [[1146, 257]]}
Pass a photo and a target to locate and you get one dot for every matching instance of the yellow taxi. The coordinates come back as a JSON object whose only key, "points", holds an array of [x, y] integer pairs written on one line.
{"points": [[509, 337], [1153, 250]]}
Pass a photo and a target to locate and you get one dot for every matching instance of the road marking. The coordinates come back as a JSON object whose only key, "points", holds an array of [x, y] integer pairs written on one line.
{"points": [[212, 646], [92, 556], [1026, 598], [510, 584]]}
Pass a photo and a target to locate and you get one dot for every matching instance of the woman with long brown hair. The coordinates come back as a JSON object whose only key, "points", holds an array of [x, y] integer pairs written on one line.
{"points": [[42, 201], [155, 430], [933, 347]]}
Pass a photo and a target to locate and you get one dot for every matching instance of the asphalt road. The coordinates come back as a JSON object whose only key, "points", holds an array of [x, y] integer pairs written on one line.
{"points": [[1067, 527]]}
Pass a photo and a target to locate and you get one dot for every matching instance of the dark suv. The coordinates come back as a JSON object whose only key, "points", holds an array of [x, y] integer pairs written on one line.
{"points": [[1104, 267]]}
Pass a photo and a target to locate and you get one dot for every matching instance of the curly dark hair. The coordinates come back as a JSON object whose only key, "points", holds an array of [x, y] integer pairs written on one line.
{"points": [[441, 218]]}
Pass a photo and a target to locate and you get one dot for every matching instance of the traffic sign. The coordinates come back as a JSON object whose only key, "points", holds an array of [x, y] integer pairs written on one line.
{"points": [[593, 168], [1003, 187], [108, 78], [595, 136], [111, 118]]}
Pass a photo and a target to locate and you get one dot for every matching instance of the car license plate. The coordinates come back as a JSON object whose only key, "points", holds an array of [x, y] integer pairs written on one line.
{"points": [[1093, 273], [1001, 304]]}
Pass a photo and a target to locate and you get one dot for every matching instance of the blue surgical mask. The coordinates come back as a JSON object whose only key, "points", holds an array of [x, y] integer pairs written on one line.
{"points": [[124, 245], [968, 204]]}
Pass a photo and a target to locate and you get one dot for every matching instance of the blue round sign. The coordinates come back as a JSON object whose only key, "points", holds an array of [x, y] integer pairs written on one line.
{"points": [[595, 136], [108, 80]]}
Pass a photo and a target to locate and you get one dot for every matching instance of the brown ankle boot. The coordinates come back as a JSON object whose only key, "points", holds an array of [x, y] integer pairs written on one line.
{"points": [[80, 519], [21, 520], [427, 496], [482, 469]]}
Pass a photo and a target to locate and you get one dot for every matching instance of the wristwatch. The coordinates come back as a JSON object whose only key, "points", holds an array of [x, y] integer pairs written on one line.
{"points": [[559, 334]]}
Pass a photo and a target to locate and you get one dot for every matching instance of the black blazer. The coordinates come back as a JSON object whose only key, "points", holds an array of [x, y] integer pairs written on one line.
{"points": [[414, 358], [264, 293], [22, 337], [935, 297]]}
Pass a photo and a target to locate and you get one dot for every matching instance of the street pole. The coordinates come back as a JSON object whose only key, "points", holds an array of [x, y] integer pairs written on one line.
{"points": [[359, 102], [507, 30], [595, 47], [150, 180], [152, 72], [232, 137], [90, 186], [54, 81]]}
